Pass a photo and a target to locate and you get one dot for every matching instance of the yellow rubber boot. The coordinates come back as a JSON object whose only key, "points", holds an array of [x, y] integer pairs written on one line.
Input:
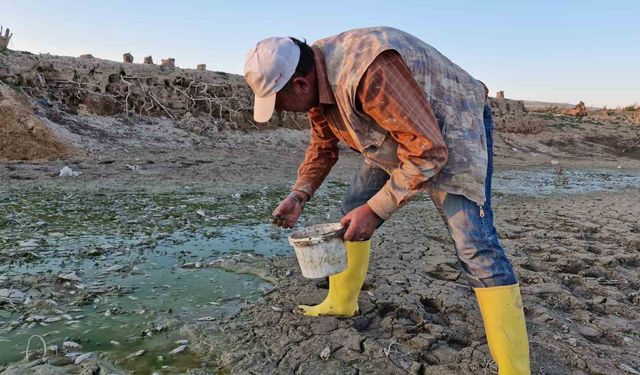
{"points": [[344, 287], [504, 325]]}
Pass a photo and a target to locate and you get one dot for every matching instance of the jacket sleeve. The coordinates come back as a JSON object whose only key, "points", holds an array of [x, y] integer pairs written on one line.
{"points": [[320, 157], [389, 94]]}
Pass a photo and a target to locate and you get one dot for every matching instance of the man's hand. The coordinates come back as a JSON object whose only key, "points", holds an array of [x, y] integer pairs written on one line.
{"points": [[288, 211], [362, 222]]}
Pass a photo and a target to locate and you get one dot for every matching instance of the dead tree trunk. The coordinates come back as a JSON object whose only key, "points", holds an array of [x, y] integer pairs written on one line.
{"points": [[4, 39]]}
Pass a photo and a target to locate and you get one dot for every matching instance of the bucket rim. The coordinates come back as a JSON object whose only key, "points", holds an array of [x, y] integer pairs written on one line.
{"points": [[299, 238]]}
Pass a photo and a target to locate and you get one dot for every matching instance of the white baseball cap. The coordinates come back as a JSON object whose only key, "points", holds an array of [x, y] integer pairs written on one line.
{"points": [[267, 69]]}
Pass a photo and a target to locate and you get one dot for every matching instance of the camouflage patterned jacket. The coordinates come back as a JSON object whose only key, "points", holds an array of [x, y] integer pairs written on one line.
{"points": [[457, 100]]}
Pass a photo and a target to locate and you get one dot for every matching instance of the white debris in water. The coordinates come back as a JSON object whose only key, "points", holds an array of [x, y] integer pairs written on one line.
{"points": [[71, 345], [83, 357], [136, 354], [236, 195], [68, 172], [69, 276], [135, 167], [107, 313], [201, 213], [206, 319], [53, 348], [29, 243], [178, 350], [182, 342], [160, 358], [114, 342], [325, 353]]}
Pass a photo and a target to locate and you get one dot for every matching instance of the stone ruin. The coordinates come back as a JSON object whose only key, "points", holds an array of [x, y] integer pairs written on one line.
{"points": [[580, 110], [168, 63], [202, 67], [127, 57], [4, 39], [500, 95], [148, 60]]}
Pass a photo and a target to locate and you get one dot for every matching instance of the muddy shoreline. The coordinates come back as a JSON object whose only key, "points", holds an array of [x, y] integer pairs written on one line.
{"points": [[576, 250]]}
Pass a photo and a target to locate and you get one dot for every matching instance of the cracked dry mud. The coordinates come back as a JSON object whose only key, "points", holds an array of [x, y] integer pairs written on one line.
{"points": [[577, 260]]}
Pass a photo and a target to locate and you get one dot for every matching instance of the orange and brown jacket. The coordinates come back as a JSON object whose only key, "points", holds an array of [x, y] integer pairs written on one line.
{"points": [[406, 108]]}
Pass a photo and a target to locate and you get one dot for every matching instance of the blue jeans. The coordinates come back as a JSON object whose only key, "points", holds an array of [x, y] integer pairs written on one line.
{"points": [[482, 258]]}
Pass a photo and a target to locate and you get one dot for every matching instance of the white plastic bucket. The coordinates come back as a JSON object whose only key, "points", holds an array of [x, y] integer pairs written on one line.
{"points": [[320, 250]]}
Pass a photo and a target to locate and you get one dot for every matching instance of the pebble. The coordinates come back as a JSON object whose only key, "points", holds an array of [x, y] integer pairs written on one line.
{"points": [[53, 319]]}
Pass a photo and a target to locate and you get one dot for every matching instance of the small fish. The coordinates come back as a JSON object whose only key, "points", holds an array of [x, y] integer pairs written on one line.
{"points": [[178, 350]]}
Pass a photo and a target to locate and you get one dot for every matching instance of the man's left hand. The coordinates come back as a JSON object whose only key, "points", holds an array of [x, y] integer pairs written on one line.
{"points": [[362, 222]]}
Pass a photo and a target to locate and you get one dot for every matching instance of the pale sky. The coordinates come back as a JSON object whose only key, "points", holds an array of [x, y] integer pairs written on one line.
{"points": [[559, 51]]}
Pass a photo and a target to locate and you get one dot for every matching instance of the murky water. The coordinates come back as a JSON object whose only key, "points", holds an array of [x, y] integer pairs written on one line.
{"points": [[125, 252]]}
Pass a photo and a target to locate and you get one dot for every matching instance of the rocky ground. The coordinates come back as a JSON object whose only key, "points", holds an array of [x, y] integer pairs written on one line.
{"points": [[576, 255]]}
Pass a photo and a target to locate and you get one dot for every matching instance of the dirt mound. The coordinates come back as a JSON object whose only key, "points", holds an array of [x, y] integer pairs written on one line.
{"points": [[22, 135]]}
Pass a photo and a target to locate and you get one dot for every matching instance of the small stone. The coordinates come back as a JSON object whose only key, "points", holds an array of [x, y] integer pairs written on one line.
{"points": [[53, 319], [573, 341], [182, 342], [276, 308], [554, 162]]}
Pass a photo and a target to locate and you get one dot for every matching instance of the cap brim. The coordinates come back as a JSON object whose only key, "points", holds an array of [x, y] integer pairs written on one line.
{"points": [[263, 108]]}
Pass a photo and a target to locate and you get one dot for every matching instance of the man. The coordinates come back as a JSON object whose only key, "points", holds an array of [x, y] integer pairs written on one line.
{"points": [[422, 124]]}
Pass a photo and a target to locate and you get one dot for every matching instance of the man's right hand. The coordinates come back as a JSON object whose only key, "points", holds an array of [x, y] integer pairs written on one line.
{"points": [[287, 213]]}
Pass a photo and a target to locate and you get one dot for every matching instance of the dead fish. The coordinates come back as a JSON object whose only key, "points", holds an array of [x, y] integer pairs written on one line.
{"points": [[29, 243], [136, 354], [178, 350], [114, 268], [83, 357], [69, 276], [206, 319], [71, 345], [35, 318], [73, 355], [325, 353]]}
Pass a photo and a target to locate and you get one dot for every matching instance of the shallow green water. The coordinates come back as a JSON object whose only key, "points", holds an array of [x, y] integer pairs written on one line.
{"points": [[149, 237]]}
